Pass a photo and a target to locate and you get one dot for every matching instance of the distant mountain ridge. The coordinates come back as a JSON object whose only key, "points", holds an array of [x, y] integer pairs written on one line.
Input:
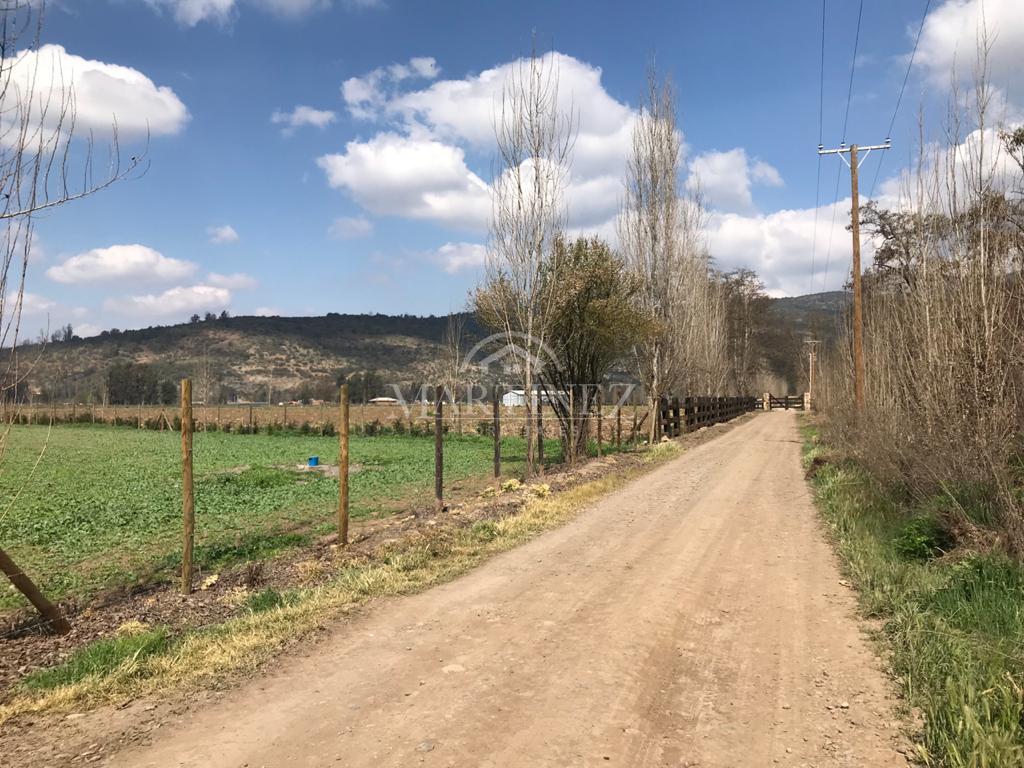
{"points": [[260, 358]]}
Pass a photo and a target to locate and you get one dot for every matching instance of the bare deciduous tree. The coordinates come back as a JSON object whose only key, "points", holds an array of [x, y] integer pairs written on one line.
{"points": [[43, 165], [535, 136], [944, 330], [651, 232], [661, 233]]}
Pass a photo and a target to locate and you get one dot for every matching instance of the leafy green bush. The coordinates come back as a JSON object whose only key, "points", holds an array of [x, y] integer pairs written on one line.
{"points": [[922, 538]]}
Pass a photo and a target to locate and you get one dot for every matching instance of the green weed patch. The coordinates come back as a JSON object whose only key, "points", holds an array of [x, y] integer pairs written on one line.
{"points": [[954, 623], [103, 507], [101, 659]]}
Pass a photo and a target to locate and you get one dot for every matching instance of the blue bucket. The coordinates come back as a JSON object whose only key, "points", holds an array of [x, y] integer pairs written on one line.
{"points": [[314, 461]]}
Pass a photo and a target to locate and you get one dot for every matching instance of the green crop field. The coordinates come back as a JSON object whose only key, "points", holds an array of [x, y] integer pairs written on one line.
{"points": [[103, 506]]}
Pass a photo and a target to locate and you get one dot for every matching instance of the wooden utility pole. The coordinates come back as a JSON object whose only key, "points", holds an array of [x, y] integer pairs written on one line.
{"points": [[858, 311], [812, 361], [50, 612], [497, 432], [439, 450], [343, 465], [188, 508], [858, 316]]}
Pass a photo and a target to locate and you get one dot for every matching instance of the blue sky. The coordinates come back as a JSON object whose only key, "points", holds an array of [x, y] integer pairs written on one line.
{"points": [[372, 196]]}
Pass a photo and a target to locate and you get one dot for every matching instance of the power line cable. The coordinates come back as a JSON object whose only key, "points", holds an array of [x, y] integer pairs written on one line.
{"points": [[846, 121], [821, 112], [899, 99], [853, 68]]}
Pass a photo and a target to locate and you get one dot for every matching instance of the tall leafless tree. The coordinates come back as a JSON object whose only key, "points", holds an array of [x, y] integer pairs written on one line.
{"points": [[535, 135], [944, 332], [43, 165]]}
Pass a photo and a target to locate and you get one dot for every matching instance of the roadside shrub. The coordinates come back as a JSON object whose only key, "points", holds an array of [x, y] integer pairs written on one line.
{"points": [[922, 538]]}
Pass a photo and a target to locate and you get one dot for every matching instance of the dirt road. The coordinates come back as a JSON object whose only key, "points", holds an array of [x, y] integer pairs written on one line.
{"points": [[693, 618]]}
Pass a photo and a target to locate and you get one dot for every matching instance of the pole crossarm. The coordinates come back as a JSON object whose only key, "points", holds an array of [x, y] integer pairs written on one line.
{"points": [[843, 149]]}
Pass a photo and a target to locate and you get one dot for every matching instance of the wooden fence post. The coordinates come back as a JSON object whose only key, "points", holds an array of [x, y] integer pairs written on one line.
{"points": [[540, 435], [343, 465], [599, 399], [572, 427], [187, 499], [50, 612], [439, 450], [497, 431], [635, 427], [618, 422]]}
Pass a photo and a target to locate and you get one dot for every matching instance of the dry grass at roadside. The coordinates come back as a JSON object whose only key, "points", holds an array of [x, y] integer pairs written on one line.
{"points": [[242, 644]]}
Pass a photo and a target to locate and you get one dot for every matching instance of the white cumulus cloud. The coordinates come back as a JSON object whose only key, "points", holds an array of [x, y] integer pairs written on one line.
{"points": [[174, 301], [189, 13], [456, 257], [300, 116], [417, 178], [31, 303], [950, 38], [222, 234], [120, 262], [293, 8], [726, 178], [350, 227], [417, 166], [781, 246], [237, 281], [366, 94], [103, 94]]}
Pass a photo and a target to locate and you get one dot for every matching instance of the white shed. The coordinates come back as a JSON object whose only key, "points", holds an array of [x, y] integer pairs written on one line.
{"points": [[514, 398]]}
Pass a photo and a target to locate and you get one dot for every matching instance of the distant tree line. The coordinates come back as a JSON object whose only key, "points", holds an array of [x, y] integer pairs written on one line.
{"points": [[137, 383]]}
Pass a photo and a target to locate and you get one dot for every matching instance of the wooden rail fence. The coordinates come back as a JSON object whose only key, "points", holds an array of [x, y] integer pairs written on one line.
{"points": [[690, 413]]}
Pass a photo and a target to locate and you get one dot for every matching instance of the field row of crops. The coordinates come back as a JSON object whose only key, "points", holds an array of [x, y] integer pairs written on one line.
{"points": [[103, 505]]}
